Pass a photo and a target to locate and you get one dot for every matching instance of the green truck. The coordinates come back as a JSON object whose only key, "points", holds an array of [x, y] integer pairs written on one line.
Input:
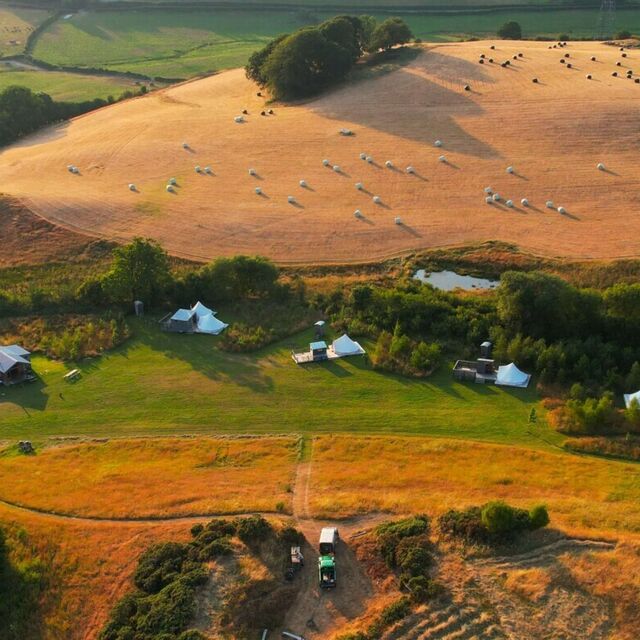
{"points": [[329, 539]]}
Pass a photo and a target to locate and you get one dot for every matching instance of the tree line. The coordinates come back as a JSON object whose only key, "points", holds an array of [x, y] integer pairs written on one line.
{"points": [[311, 59]]}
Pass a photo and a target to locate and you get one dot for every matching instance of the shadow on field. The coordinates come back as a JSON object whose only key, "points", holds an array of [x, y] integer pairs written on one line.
{"points": [[201, 353], [47, 134], [410, 104], [29, 396]]}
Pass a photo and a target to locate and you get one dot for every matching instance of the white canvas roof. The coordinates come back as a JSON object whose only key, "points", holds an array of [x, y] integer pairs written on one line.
{"points": [[200, 310], [182, 315], [630, 397], [10, 357], [345, 346], [211, 324], [510, 376]]}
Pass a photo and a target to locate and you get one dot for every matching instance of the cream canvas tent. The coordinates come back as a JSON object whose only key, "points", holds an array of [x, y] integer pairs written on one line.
{"points": [[630, 397], [345, 346], [200, 310], [510, 376], [210, 324]]}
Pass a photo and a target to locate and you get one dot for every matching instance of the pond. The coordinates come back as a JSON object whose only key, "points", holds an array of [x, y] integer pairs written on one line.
{"points": [[450, 280]]}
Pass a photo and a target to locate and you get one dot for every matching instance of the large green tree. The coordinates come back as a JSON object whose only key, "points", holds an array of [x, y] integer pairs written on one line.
{"points": [[388, 34], [304, 64], [510, 31], [140, 272]]}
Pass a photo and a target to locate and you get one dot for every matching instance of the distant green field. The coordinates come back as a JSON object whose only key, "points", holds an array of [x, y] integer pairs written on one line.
{"points": [[15, 27], [174, 43], [170, 383], [65, 86]]}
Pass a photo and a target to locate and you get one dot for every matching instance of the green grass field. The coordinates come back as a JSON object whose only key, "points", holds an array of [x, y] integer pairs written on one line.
{"points": [[160, 383], [173, 43], [65, 86]]}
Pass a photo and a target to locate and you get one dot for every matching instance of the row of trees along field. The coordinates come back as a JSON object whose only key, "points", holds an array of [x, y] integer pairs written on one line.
{"points": [[311, 59]]}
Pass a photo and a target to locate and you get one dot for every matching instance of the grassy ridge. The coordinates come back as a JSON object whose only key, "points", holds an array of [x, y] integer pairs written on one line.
{"points": [[172, 43], [164, 383], [15, 27]]}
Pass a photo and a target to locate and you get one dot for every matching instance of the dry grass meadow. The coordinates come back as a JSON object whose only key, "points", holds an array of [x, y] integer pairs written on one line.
{"points": [[553, 133], [151, 478], [408, 475]]}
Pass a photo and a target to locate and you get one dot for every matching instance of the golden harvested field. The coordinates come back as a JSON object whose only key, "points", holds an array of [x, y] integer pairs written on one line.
{"points": [[553, 133], [154, 477], [400, 475]]}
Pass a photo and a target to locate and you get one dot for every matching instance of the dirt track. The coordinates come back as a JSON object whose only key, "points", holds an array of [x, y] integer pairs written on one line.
{"points": [[553, 133]]}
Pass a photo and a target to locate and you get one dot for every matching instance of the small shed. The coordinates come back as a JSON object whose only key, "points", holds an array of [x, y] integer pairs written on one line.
{"points": [[318, 350]]}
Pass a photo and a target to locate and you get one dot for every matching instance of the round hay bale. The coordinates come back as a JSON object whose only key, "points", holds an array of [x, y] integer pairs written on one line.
{"points": [[482, 56], [521, 55], [588, 76], [173, 182], [245, 111], [170, 188], [509, 203], [398, 220], [326, 163], [336, 168], [442, 159], [363, 156], [263, 113], [258, 191], [359, 186], [369, 159], [600, 166], [637, 80], [562, 210], [488, 190], [562, 60], [238, 119], [504, 64], [185, 145], [535, 80], [410, 170], [593, 58], [270, 112], [70, 168], [197, 169], [496, 197], [303, 183], [566, 55], [618, 64], [524, 202], [75, 170], [621, 49], [290, 199], [438, 143], [208, 170], [491, 60], [377, 199], [357, 213], [489, 200], [388, 164], [509, 169], [624, 55], [481, 61], [515, 57], [252, 172], [493, 46], [132, 187], [569, 66], [549, 204], [467, 87]]}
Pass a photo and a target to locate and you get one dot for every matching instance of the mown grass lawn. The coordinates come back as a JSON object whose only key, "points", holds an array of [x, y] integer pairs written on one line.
{"points": [[68, 87], [162, 383], [170, 43]]}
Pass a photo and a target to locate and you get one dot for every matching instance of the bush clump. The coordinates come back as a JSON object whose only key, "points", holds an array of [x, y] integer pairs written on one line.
{"points": [[494, 522]]}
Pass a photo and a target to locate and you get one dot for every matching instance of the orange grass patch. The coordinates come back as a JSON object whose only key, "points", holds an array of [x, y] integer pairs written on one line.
{"points": [[154, 477], [553, 133], [89, 566], [407, 475], [531, 584]]}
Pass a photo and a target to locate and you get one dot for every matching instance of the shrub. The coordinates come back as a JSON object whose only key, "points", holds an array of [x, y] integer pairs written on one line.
{"points": [[623, 35], [159, 566], [196, 530], [290, 536], [465, 524], [423, 589], [391, 614], [216, 548], [253, 529], [389, 33], [539, 517], [510, 31], [414, 561], [498, 517]]}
